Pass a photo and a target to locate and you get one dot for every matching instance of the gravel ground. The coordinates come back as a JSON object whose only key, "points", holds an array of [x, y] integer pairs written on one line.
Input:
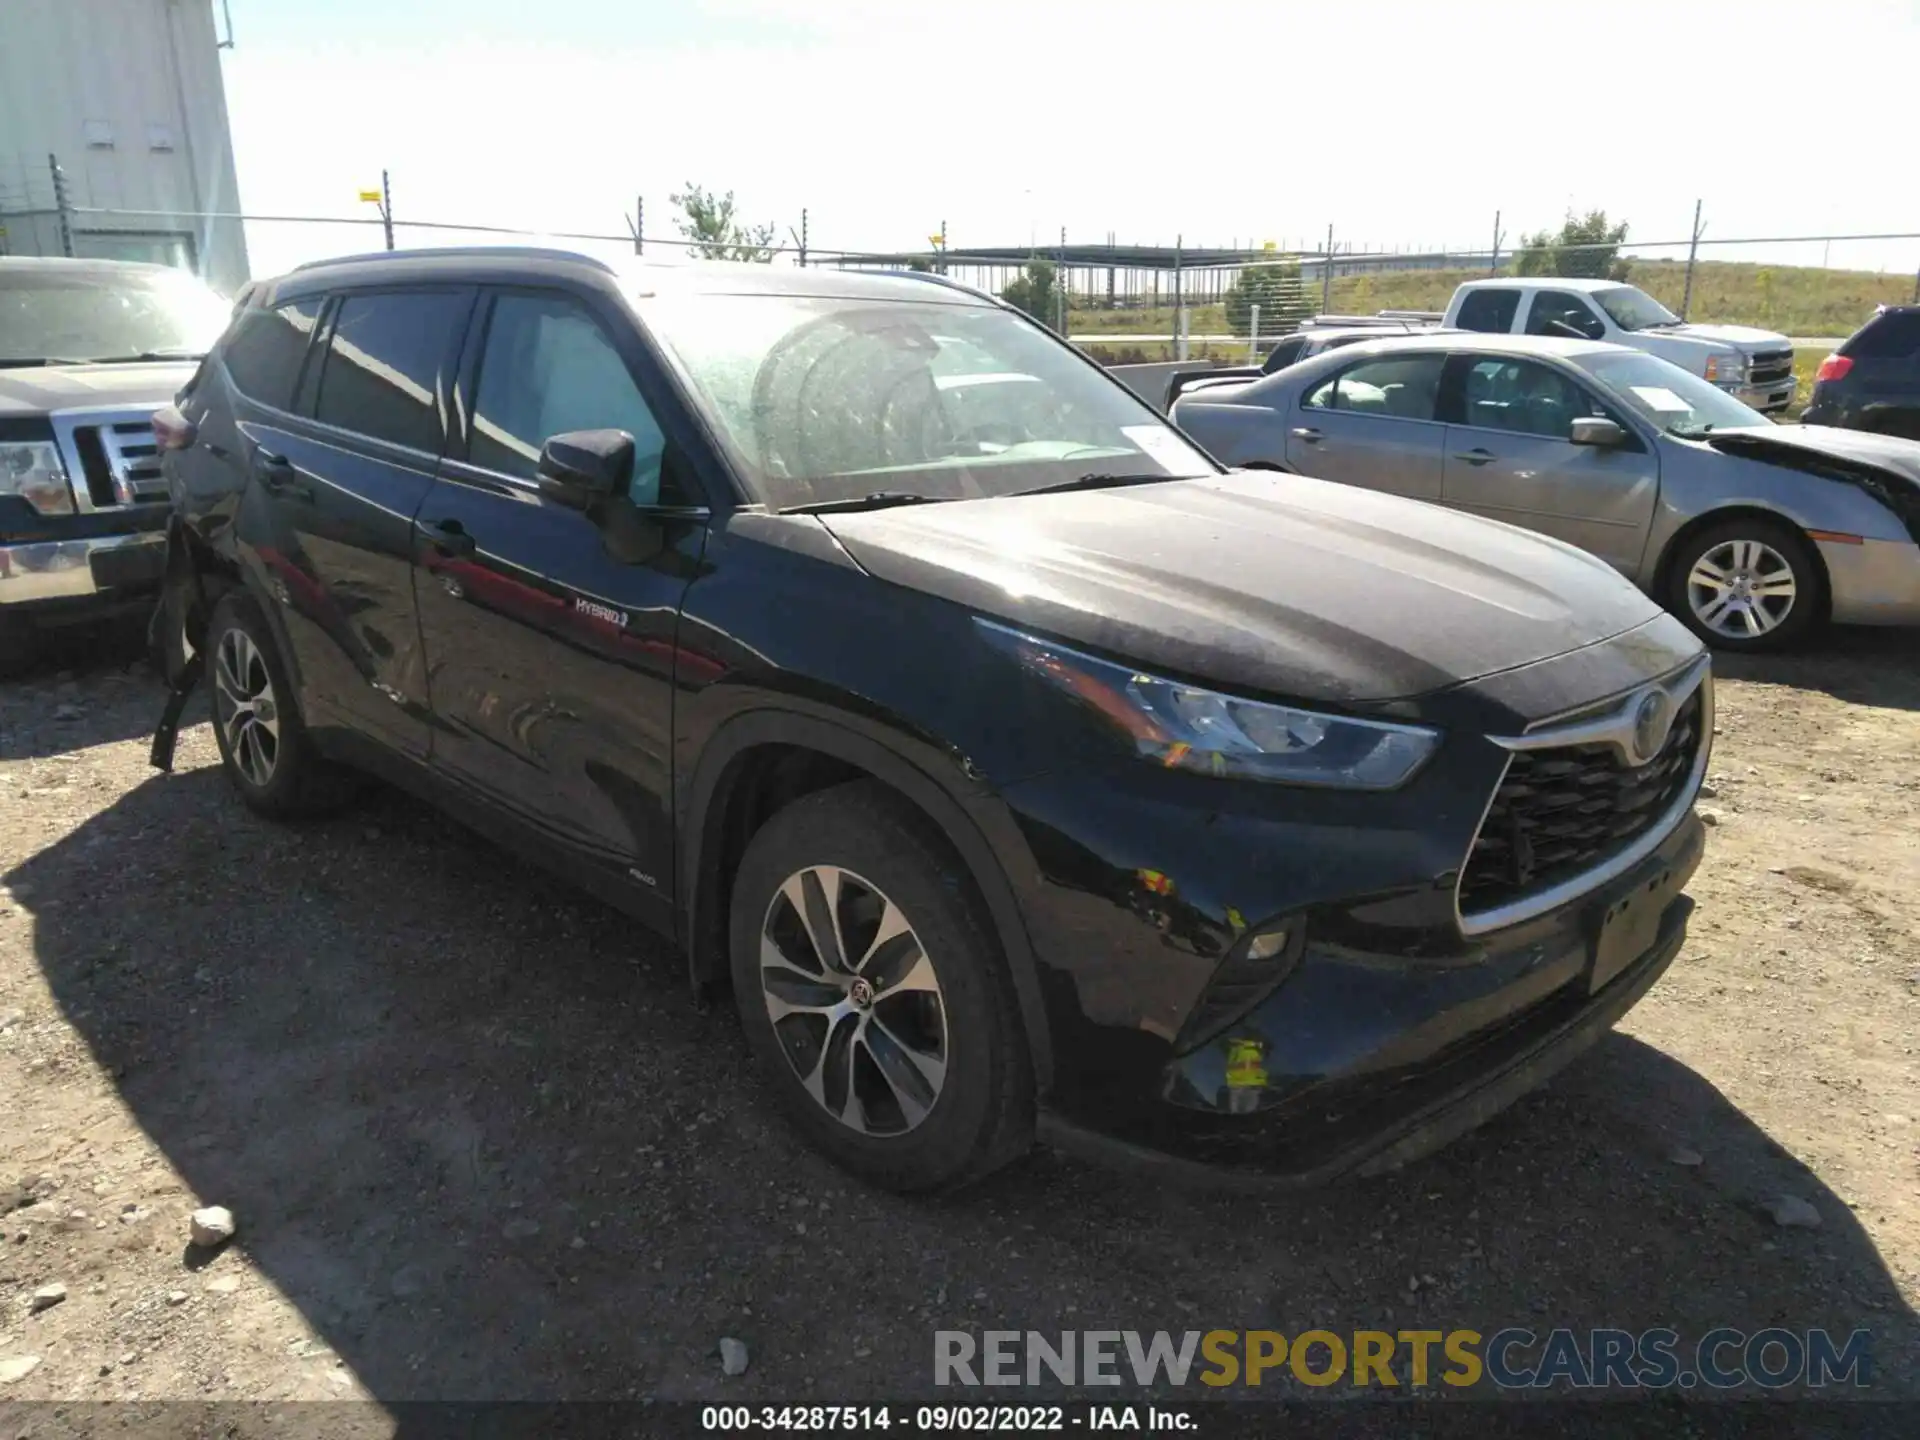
{"points": [[479, 1144]]}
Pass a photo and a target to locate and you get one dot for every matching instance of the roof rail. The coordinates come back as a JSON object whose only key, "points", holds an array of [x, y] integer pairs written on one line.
{"points": [[937, 279], [461, 252]]}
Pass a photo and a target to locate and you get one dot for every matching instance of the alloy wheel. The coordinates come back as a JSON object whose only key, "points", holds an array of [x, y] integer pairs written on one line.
{"points": [[1742, 589], [245, 707], [854, 1001]]}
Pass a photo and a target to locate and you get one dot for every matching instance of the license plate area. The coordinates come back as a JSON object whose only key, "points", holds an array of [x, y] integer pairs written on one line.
{"points": [[1629, 924]]}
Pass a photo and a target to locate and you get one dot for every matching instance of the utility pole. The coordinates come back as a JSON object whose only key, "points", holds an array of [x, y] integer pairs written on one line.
{"points": [[386, 207], [63, 205], [1326, 276], [1693, 247], [1493, 264]]}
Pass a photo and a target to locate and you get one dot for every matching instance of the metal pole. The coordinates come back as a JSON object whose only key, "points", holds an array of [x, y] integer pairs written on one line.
{"points": [[1493, 265], [386, 207], [941, 268], [1179, 310], [803, 237], [1253, 333], [62, 205], [639, 224], [1326, 277], [1693, 248], [1060, 285]]}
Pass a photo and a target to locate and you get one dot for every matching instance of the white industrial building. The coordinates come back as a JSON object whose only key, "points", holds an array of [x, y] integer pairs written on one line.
{"points": [[126, 97]]}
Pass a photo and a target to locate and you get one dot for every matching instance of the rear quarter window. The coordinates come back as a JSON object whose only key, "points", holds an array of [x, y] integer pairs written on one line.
{"points": [[1490, 312], [265, 349]]}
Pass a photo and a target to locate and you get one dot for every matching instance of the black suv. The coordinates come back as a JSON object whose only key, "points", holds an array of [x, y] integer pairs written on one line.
{"points": [[1872, 382], [1012, 761]]}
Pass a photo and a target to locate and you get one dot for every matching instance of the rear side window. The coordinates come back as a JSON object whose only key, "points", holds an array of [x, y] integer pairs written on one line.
{"points": [[1284, 354], [1892, 336], [264, 352], [1403, 386], [1489, 311], [384, 363], [1557, 312]]}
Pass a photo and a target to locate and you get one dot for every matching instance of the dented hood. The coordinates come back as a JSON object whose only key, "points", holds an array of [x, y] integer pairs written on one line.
{"points": [[1275, 583], [1890, 454]]}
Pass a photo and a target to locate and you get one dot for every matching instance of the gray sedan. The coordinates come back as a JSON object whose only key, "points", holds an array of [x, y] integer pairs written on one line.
{"points": [[1751, 532]]}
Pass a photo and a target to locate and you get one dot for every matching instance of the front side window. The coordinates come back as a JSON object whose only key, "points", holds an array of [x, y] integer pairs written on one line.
{"points": [[264, 353], [96, 315], [1678, 402], [384, 362], [1490, 312], [1523, 397], [825, 398], [1404, 386], [1633, 309], [548, 369], [1565, 315]]}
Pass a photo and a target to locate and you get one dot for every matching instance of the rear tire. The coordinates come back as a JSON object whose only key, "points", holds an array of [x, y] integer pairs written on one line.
{"points": [[898, 1048], [264, 746], [1747, 584]]}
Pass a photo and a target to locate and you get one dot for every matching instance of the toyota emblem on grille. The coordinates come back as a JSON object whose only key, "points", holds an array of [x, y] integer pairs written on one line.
{"points": [[1652, 718]]}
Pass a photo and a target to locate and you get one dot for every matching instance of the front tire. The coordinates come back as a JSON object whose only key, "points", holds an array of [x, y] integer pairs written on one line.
{"points": [[873, 996], [1747, 584], [264, 746]]}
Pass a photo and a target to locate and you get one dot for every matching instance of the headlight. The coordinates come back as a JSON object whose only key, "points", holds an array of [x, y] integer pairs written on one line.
{"points": [[1726, 369], [33, 470], [1184, 727]]}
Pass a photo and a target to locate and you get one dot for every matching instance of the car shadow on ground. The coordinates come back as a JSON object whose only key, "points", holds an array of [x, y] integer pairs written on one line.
{"points": [[71, 698], [1860, 665], [473, 1128]]}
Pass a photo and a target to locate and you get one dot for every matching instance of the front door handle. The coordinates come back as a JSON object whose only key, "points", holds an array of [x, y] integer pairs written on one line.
{"points": [[449, 537], [1306, 433], [1475, 456], [278, 477]]}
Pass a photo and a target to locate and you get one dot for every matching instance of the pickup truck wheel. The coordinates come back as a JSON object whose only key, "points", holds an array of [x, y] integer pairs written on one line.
{"points": [[1747, 584], [876, 1002], [264, 746]]}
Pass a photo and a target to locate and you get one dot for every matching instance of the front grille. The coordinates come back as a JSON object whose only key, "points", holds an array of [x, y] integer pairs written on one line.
{"points": [[1768, 366], [113, 458], [1563, 811]]}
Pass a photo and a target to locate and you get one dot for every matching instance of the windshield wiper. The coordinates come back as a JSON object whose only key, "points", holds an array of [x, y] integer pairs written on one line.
{"points": [[877, 500], [148, 357], [1099, 480]]}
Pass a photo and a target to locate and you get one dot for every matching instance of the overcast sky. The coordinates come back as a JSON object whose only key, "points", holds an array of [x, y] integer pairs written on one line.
{"points": [[1404, 124]]}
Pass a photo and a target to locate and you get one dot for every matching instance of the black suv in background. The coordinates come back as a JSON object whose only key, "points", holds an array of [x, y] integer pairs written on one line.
{"points": [[1014, 762], [1872, 382]]}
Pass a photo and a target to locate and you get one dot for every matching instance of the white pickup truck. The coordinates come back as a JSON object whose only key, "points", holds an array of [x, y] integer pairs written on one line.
{"points": [[1754, 365]]}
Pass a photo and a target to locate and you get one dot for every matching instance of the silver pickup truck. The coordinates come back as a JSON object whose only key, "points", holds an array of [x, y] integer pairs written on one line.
{"points": [[1755, 366], [89, 349]]}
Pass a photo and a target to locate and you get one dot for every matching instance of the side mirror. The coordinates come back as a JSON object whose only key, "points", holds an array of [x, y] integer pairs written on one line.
{"points": [[582, 467], [1596, 430]]}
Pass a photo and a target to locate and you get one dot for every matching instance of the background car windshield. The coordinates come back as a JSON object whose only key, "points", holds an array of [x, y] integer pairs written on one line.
{"points": [[1633, 309], [49, 315], [1670, 397], [832, 398]]}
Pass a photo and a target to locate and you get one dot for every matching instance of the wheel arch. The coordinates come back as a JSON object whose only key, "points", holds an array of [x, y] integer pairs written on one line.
{"points": [[795, 754], [1675, 547]]}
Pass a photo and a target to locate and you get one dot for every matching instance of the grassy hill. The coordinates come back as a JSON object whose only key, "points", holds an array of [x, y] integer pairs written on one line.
{"points": [[1793, 299]]}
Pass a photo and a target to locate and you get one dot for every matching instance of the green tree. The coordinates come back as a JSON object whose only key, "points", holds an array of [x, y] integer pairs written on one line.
{"points": [[1277, 290], [1035, 292], [717, 232], [1587, 247]]}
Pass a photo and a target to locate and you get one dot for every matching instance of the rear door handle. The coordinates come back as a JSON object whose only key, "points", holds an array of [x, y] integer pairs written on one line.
{"points": [[278, 477], [449, 537], [1475, 456], [1306, 433]]}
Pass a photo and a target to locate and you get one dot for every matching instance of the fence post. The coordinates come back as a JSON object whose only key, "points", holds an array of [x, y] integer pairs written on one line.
{"points": [[1179, 307], [1253, 333], [62, 204], [386, 207], [639, 224], [1493, 264], [1060, 278], [803, 237], [1693, 247], [1326, 276]]}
